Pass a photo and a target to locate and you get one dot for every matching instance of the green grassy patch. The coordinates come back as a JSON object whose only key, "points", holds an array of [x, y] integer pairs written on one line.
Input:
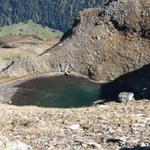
{"points": [[29, 28]]}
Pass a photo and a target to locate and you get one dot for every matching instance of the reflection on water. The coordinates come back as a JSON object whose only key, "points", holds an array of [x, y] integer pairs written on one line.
{"points": [[59, 91]]}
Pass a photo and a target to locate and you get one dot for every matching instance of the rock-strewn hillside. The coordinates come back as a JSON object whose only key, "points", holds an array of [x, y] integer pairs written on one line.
{"points": [[106, 42], [19, 56]]}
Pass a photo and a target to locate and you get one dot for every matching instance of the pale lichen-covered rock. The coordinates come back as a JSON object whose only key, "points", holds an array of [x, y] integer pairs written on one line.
{"points": [[17, 145], [126, 96]]}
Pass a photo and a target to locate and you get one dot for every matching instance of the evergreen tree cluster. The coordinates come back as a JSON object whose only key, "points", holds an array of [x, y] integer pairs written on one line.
{"points": [[58, 14]]}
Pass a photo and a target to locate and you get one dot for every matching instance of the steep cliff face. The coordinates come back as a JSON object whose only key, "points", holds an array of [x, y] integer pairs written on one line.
{"points": [[106, 42], [56, 14]]}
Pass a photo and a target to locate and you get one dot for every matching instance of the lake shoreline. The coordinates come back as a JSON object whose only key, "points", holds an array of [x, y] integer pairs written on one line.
{"points": [[52, 74]]}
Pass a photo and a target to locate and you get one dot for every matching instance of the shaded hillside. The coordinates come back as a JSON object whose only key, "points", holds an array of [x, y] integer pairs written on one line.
{"points": [[56, 14]]}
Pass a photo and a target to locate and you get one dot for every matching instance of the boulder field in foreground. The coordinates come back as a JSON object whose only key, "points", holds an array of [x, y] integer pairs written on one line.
{"points": [[105, 127]]}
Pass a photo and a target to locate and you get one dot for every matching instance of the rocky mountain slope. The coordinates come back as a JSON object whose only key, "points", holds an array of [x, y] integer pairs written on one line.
{"points": [[104, 43], [107, 41], [19, 55]]}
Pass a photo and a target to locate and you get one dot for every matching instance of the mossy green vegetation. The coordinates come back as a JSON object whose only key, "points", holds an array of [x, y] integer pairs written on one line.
{"points": [[29, 28]]}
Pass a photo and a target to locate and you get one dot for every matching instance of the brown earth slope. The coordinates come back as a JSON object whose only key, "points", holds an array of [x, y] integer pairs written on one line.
{"points": [[106, 42], [19, 55]]}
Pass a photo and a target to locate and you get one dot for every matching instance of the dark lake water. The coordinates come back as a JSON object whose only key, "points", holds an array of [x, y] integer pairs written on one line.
{"points": [[71, 91], [58, 91]]}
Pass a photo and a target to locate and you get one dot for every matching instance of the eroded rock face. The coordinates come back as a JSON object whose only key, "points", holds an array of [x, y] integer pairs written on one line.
{"points": [[106, 42]]}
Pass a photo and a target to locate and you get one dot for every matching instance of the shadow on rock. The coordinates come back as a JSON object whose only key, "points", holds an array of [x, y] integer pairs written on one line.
{"points": [[137, 82], [137, 148]]}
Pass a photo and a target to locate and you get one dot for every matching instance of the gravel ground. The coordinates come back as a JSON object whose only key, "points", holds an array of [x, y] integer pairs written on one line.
{"points": [[112, 126]]}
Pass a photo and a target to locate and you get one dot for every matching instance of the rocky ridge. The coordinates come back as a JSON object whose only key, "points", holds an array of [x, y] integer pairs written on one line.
{"points": [[106, 42]]}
